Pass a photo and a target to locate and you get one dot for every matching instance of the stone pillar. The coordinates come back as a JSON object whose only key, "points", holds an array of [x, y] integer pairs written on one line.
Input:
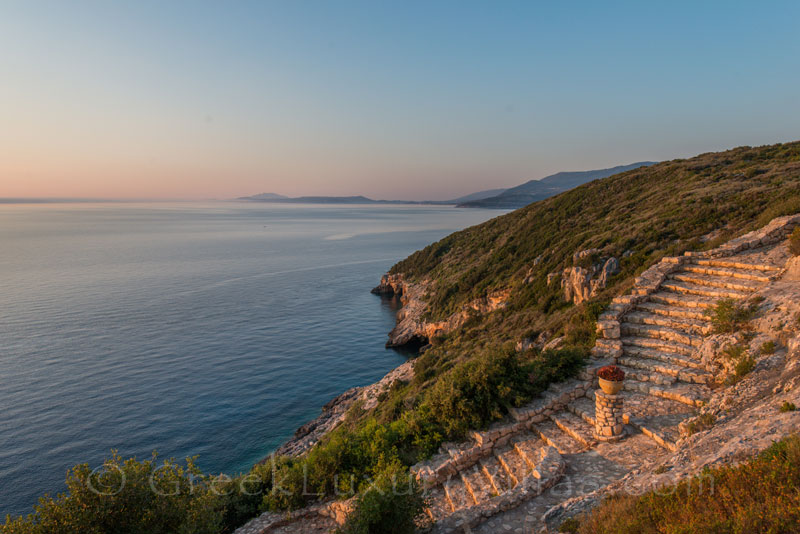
{"points": [[608, 425]]}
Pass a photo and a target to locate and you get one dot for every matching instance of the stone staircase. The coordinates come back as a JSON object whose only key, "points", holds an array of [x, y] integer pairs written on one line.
{"points": [[508, 463], [508, 476], [654, 336], [660, 332]]}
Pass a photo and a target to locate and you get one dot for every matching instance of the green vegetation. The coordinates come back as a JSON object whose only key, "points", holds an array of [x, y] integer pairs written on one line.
{"points": [[703, 422], [768, 347], [472, 376], [787, 407], [744, 363], [119, 498], [626, 212], [730, 316], [391, 506], [762, 495], [794, 242]]}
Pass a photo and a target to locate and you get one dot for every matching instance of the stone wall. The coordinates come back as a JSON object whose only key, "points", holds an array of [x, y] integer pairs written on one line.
{"points": [[548, 471], [454, 458], [608, 344], [776, 230]]}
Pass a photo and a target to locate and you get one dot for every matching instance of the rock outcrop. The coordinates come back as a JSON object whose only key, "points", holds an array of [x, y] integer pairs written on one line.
{"points": [[581, 284], [414, 332]]}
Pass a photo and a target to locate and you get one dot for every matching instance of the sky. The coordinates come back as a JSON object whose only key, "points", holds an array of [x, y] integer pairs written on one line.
{"points": [[390, 99]]}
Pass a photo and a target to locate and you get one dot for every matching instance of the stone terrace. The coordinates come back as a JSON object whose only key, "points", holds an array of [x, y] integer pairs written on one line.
{"points": [[507, 477]]}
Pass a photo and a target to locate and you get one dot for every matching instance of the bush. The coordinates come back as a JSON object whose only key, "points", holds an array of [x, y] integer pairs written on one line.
{"points": [[120, 498], [743, 367], [703, 422], [570, 525], [787, 407], [768, 347], [744, 363], [729, 316], [762, 495], [794, 242], [391, 506]]}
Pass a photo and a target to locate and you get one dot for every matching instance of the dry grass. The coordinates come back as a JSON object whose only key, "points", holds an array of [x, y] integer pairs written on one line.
{"points": [[762, 495]]}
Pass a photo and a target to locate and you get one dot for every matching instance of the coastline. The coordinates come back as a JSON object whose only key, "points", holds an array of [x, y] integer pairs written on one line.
{"points": [[334, 411]]}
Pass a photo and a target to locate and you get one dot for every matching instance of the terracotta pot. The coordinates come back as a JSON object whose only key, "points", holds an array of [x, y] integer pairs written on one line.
{"points": [[610, 387]]}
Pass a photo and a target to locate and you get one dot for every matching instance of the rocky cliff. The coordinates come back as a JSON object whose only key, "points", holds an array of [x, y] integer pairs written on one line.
{"points": [[413, 331]]}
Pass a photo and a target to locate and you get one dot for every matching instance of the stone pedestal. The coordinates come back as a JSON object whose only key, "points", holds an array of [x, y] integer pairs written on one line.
{"points": [[608, 424]]}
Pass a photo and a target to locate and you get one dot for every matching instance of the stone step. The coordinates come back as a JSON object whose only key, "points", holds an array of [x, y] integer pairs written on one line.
{"points": [[658, 344], [683, 300], [672, 310], [690, 394], [644, 375], [685, 288], [438, 505], [694, 326], [477, 484], [659, 332], [741, 274], [733, 264], [496, 474], [656, 417], [516, 467], [583, 407], [681, 360], [528, 448], [651, 432], [684, 374], [457, 495], [736, 284], [575, 427], [552, 435]]}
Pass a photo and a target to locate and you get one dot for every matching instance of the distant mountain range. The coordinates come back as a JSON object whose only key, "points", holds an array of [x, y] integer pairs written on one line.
{"points": [[533, 190], [515, 197]]}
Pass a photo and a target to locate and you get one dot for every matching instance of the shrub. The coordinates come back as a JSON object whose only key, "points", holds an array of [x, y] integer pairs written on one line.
{"points": [[794, 242], [703, 422], [762, 495], [571, 525], [743, 367], [391, 506], [768, 347], [120, 498], [729, 316], [734, 352], [787, 407]]}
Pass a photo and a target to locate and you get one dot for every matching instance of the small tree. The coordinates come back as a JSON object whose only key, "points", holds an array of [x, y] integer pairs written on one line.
{"points": [[392, 505], [729, 316]]}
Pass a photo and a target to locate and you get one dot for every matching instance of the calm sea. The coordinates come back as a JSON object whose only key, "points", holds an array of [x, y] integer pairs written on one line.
{"points": [[211, 329]]}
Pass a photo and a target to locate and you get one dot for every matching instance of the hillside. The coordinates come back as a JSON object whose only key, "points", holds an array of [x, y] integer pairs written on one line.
{"points": [[637, 216], [533, 190], [492, 416]]}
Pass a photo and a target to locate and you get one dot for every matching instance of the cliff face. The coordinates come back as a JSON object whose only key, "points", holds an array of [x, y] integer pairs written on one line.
{"points": [[414, 332]]}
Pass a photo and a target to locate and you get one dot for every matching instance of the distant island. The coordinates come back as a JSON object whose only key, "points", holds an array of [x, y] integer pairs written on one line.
{"points": [[512, 198], [360, 199], [535, 190]]}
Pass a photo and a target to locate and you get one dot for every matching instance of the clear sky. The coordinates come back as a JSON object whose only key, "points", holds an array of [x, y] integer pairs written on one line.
{"points": [[391, 99]]}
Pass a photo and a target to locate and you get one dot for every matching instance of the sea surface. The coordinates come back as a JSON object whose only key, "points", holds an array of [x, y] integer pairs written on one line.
{"points": [[209, 329]]}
